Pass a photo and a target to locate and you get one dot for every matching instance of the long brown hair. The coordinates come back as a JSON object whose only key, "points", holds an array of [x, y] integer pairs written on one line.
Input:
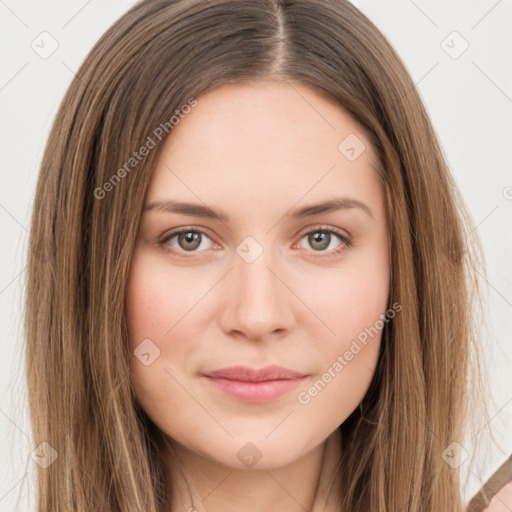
{"points": [[158, 57]]}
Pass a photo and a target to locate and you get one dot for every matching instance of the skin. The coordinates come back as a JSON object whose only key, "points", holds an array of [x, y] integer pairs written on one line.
{"points": [[502, 501], [256, 152]]}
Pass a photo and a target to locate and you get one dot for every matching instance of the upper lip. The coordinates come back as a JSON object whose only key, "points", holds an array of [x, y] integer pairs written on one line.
{"points": [[245, 373]]}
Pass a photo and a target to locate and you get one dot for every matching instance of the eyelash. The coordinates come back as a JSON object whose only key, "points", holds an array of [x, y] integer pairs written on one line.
{"points": [[346, 242]]}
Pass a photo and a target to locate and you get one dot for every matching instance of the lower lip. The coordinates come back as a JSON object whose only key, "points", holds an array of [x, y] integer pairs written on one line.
{"points": [[256, 391]]}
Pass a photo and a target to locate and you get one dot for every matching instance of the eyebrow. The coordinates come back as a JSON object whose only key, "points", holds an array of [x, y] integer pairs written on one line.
{"points": [[197, 210]]}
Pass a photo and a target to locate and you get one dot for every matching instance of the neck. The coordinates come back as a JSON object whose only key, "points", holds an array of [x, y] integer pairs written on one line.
{"points": [[199, 484]]}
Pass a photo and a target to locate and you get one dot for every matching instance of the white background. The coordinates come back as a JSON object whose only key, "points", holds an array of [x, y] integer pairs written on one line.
{"points": [[469, 99]]}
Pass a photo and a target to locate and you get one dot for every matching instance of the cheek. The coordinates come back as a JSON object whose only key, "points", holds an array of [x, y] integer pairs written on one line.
{"points": [[352, 305], [153, 318], [158, 300], [348, 358], [362, 299], [351, 301]]}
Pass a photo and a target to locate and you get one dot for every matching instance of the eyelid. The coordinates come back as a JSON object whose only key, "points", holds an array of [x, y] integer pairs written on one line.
{"points": [[163, 239], [343, 235], [345, 238]]}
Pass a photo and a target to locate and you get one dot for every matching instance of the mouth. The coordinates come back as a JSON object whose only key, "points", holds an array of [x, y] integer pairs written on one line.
{"points": [[255, 386]]}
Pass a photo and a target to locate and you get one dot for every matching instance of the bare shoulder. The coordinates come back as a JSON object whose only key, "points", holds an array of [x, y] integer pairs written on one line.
{"points": [[502, 500], [499, 486]]}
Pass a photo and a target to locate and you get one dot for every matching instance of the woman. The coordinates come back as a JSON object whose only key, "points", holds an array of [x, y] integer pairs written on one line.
{"points": [[258, 284]]}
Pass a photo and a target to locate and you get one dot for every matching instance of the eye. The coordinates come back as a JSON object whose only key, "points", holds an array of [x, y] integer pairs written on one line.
{"points": [[193, 240], [323, 240], [187, 240]]}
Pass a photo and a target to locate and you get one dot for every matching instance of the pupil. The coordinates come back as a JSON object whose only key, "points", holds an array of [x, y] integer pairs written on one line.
{"points": [[321, 238], [191, 238]]}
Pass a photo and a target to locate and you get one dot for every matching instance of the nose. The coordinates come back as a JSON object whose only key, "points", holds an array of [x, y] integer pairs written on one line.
{"points": [[258, 301]]}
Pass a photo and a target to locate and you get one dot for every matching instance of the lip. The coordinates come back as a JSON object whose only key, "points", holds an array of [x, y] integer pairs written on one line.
{"points": [[247, 374], [251, 385]]}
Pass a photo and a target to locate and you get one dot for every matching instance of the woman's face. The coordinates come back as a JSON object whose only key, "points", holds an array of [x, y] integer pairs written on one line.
{"points": [[259, 282]]}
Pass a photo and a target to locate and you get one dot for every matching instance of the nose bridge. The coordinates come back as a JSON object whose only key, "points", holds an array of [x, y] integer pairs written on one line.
{"points": [[256, 284], [256, 298], [255, 280]]}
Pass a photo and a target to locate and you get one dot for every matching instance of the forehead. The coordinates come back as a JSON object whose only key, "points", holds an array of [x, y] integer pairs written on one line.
{"points": [[265, 143], [278, 117]]}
